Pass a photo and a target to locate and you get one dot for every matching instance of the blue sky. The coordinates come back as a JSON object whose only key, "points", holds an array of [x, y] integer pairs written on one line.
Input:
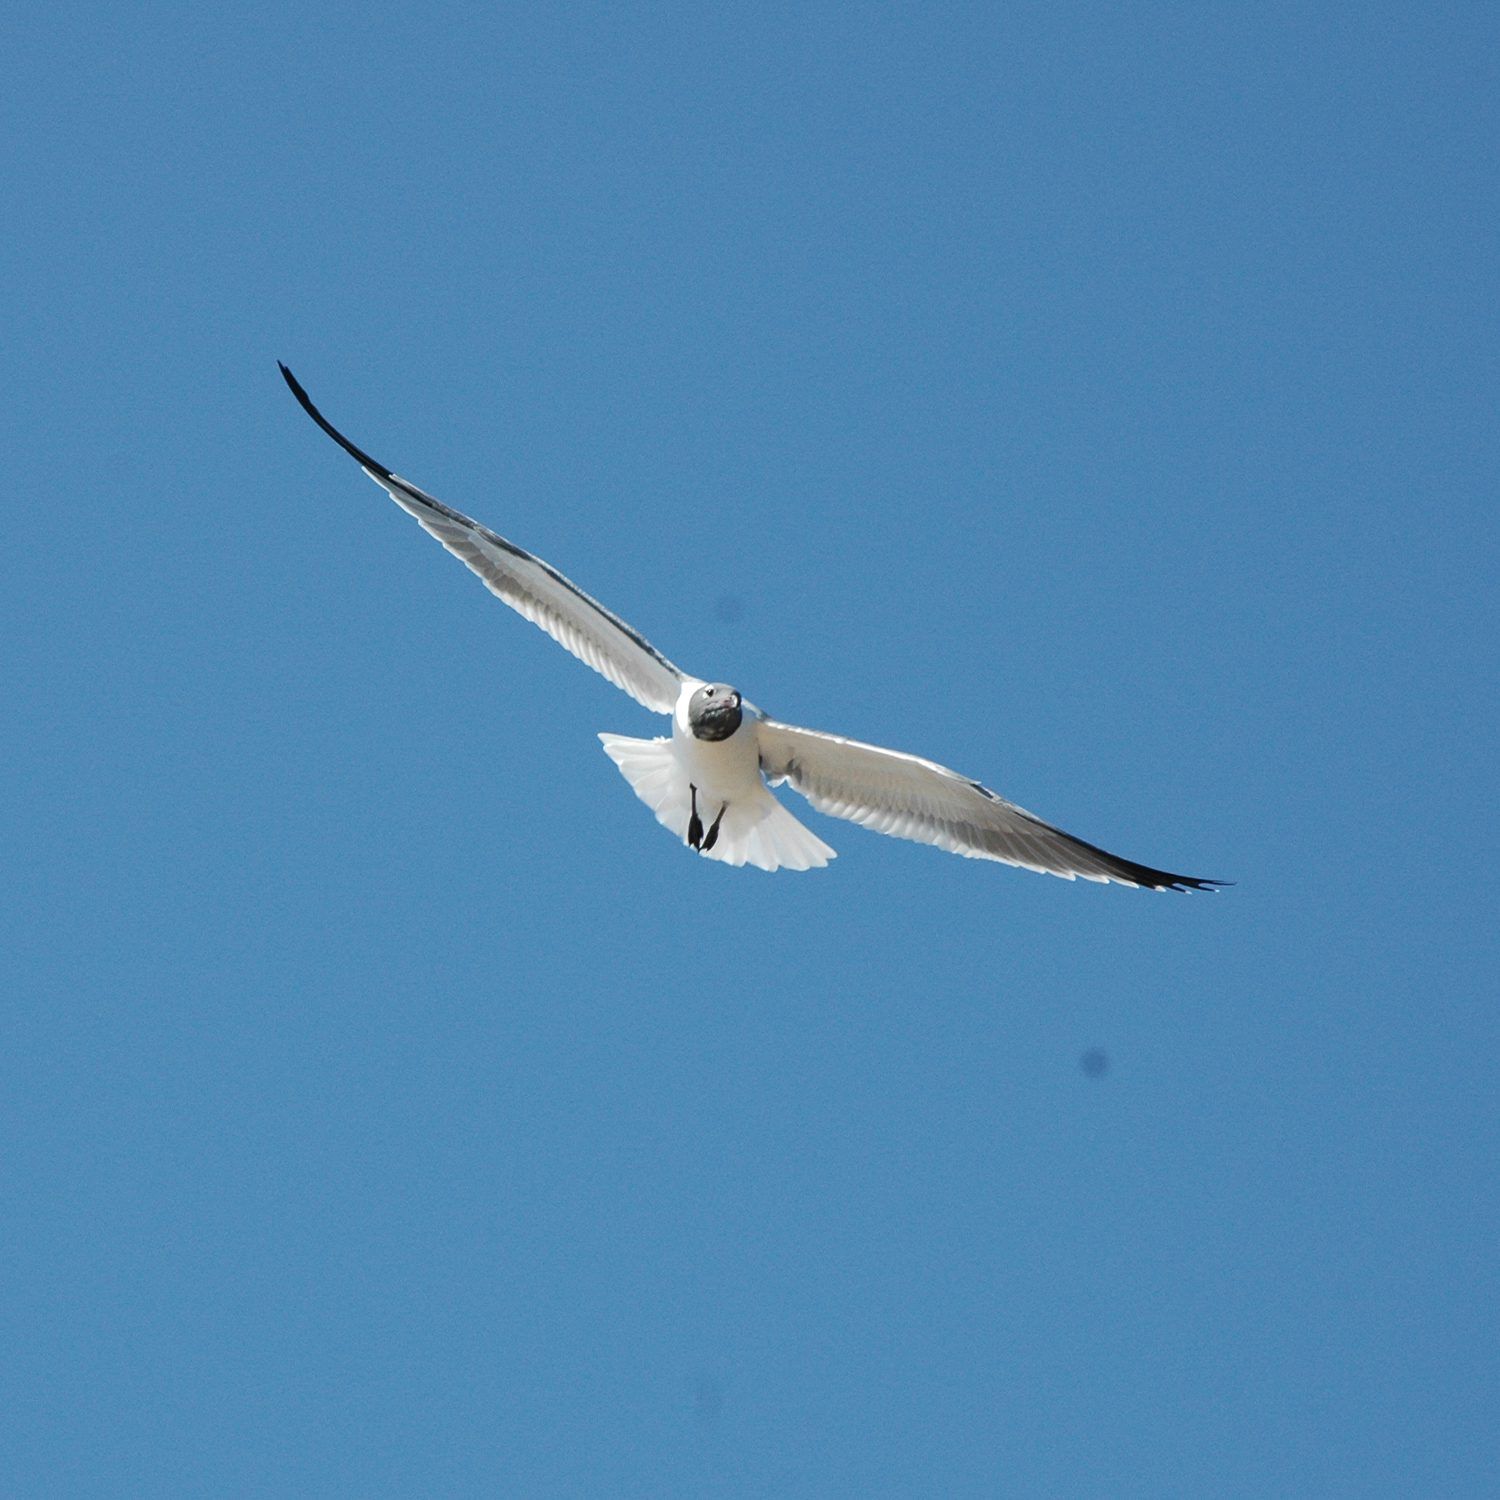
{"points": [[1100, 399]]}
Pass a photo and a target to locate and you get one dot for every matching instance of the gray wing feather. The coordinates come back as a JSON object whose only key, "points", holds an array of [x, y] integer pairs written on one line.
{"points": [[911, 798], [530, 586]]}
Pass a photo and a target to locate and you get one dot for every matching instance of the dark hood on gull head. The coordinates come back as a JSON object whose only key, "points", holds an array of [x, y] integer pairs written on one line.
{"points": [[714, 712]]}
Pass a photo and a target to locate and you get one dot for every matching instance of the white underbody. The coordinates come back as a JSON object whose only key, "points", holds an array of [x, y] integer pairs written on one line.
{"points": [[755, 828]]}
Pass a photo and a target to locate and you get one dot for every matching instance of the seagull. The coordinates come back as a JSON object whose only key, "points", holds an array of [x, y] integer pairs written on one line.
{"points": [[709, 782]]}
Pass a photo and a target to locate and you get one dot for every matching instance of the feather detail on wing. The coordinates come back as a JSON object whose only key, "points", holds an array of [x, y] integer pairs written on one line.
{"points": [[911, 798], [530, 586]]}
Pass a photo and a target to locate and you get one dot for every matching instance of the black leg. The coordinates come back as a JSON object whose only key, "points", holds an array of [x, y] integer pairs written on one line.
{"points": [[695, 823], [713, 833]]}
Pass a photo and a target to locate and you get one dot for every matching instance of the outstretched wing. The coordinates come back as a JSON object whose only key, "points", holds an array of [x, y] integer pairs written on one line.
{"points": [[531, 587], [912, 798]]}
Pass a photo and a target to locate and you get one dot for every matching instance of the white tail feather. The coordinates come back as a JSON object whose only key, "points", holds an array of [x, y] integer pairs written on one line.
{"points": [[756, 830]]}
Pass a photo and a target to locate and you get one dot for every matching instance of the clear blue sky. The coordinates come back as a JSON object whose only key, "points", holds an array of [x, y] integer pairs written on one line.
{"points": [[1098, 398]]}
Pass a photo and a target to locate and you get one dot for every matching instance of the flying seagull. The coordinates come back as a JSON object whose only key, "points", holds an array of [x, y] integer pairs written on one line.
{"points": [[708, 780]]}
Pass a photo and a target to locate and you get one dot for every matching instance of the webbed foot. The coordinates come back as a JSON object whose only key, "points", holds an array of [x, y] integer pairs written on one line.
{"points": [[713, 833]]}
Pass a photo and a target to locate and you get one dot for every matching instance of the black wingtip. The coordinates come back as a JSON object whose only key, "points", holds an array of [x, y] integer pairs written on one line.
{"points": [[1145, 878], [295, 385], [306, 403], [1185, 883]]}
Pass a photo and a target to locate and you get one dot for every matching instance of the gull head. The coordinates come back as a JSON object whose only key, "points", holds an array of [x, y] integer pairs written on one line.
{"points": [[714, 712]]}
